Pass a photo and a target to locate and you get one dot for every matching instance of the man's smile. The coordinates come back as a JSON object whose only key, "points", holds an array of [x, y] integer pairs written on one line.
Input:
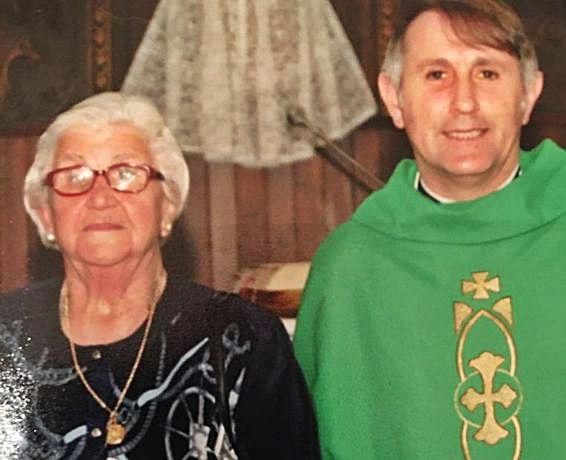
{"points": [[465, 134]]}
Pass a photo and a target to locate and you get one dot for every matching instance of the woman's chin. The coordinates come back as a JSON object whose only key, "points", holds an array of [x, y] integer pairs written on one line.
{"points": [[115, 248], [103, 255], [103, 258]]}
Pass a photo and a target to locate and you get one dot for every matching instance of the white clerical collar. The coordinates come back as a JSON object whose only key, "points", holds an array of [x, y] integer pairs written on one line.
{"points": [[420, 184]]}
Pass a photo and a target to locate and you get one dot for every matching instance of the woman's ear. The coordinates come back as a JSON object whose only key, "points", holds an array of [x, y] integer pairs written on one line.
{"points": [[167, 218], [45, 216], [46, 221], [390, 96]]}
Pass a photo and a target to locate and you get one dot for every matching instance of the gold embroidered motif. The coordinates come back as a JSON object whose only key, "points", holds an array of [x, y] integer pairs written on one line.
{"points": [[491, 431], [461, 312], [481, 286], [487, 377], [505, 309], [516, 428], [472, 322]]}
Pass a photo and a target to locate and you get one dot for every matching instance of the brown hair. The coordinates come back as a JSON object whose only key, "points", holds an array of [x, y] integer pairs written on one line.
{"points": [[490, 23]]}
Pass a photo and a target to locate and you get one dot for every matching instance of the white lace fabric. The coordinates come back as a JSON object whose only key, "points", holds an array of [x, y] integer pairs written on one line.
{"points": [[226, 73]]}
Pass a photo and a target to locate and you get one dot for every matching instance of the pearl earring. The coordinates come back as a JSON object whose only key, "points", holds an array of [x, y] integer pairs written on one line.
{"points": [[165, 229], [50, 237]]}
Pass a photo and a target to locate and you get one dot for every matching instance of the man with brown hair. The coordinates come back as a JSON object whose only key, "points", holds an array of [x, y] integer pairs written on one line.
{"points": [[433, 324]]}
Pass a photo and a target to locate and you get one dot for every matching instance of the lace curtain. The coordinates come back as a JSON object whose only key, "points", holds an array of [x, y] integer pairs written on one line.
{"points": [[226, 73]]}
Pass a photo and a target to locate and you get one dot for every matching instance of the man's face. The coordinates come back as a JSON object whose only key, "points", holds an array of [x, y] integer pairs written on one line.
{"points": [[462, 108]]}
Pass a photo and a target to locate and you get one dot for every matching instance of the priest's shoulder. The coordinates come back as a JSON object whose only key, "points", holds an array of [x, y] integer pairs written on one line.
{"points": [[348, 239], [547, 149]]}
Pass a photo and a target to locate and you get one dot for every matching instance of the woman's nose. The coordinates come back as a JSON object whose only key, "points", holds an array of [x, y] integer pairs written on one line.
{"points": [[101, 195]]}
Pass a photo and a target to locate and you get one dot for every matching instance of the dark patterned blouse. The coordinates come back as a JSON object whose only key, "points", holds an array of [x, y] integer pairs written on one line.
{"points": [[172, 409]]}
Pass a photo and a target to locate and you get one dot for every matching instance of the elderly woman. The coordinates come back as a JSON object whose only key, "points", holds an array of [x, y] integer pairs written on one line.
{"points": [[118, 360]]}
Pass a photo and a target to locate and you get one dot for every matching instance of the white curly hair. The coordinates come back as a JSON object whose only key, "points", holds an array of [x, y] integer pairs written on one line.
{"points": [[99, 111]]}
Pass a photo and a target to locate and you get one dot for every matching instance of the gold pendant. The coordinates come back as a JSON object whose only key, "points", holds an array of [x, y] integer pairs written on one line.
{"points": [[115, 431]]}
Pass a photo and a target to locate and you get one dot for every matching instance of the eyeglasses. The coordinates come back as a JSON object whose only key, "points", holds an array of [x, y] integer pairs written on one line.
{"points": [[122, 177]]}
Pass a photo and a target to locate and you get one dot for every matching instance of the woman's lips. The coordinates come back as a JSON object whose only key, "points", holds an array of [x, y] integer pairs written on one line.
{"points": [[102, 226]]}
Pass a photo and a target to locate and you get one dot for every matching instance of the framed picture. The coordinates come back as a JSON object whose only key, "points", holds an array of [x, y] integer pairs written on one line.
{"points": [[52, 54]]}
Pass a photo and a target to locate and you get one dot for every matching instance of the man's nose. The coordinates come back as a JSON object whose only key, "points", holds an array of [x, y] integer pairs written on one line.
{"points": [[465, 97]]}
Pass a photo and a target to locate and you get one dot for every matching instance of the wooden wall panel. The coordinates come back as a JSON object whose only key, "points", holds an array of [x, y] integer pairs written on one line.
{"points": [[310, 226], [252, 219], [223, 225], [366, 152], [15, 154], [281, 214], [196, 221], [338, 191]]}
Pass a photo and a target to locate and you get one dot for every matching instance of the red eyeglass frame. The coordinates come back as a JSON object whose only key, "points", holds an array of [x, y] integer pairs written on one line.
{"points": [[152, 173]]}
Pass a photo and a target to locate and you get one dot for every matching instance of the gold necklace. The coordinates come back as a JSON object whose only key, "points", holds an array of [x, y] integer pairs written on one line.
{"points": [[115, 431]]}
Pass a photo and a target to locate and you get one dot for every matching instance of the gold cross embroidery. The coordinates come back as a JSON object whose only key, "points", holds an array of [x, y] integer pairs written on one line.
{"points": [[481, 285], [491, 431]]}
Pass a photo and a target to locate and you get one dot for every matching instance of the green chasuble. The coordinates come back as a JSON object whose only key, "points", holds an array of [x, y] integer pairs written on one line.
{"points": [[432, 331]]}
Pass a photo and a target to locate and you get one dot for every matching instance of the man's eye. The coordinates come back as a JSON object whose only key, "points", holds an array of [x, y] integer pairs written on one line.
{"points": [[489, 74], [435, 75]]}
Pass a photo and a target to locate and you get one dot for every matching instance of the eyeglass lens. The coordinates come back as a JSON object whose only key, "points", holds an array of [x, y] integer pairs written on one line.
{"points": [[127, 178]]}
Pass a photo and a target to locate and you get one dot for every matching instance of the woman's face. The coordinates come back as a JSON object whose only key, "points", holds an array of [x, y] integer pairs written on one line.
{"points": [[104, 227]]}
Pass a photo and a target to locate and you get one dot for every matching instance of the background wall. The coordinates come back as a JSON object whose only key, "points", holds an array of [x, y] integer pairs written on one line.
{"points": [[235, 217]]}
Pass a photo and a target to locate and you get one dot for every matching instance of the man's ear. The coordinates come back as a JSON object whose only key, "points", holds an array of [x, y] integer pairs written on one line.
{"points": [[390, 96], [532, 94]]}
